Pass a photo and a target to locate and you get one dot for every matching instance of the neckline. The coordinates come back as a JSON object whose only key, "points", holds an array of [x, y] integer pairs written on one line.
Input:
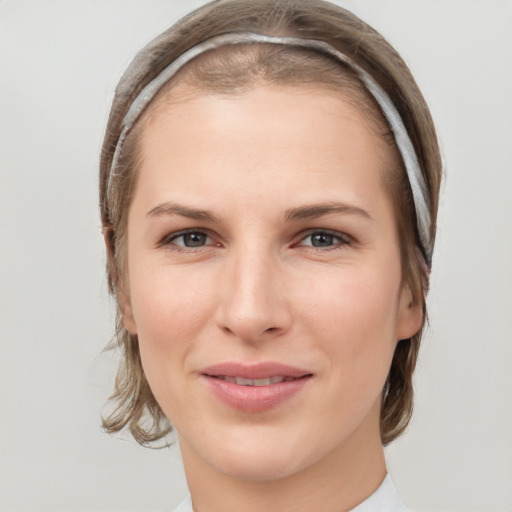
{"points": [[384, 499]]}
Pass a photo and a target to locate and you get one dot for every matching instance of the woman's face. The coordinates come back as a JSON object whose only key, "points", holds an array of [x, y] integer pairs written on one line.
{"points": [[264, 278]]}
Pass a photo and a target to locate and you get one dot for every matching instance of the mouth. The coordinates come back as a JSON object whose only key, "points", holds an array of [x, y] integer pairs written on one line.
{"points": [[255, 387], [267, 381]]}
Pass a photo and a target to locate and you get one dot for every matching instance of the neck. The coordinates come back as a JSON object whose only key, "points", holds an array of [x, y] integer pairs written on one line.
{"points": [[339, 481]]}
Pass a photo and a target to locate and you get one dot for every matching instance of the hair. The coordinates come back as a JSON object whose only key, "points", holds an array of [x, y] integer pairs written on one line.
{"points": [[233, 69]]}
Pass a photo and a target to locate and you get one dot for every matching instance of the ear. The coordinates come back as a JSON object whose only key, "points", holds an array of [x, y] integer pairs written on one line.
{"points": [[409, 315], [119, 285], [123, 299]]}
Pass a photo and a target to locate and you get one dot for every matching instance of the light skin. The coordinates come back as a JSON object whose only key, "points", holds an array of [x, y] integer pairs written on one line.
{"points": [[291, 256]]}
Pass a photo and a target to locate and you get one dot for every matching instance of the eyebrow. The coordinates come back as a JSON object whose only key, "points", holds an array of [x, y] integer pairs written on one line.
{"points": [[318, 210], [184, 211], [300, 213]]}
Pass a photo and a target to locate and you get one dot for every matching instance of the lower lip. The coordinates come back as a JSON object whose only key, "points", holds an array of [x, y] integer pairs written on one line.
{"points": [[254, 398]]}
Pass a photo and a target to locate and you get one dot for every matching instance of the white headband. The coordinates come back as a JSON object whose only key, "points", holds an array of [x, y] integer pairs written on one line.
{"points": [[403, 142]]}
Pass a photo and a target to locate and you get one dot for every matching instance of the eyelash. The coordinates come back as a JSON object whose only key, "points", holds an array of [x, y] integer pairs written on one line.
{"points": [[341, 240]]}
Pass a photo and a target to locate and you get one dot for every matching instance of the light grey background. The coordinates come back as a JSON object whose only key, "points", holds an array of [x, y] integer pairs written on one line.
{"points": [[59, 63]]}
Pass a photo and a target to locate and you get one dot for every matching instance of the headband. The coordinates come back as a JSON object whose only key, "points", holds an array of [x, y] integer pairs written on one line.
{"points": [[403, 142]]}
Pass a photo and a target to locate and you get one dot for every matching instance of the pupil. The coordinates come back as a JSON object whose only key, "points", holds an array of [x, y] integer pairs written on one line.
{"points": [[194, 239], [322, 240]]}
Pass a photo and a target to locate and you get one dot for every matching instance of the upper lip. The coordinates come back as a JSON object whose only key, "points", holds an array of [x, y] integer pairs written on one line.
{"points": [[261, 370]]}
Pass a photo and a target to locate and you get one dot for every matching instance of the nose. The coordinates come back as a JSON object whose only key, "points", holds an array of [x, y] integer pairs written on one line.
{"points": [[253, 302]]}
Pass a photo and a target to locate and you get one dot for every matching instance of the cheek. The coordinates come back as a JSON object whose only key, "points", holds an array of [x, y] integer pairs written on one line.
{"points": [[352, 316], [170, 309]]}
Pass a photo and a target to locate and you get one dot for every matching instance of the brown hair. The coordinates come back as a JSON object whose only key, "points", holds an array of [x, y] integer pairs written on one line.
{"points": [[229, 70]]}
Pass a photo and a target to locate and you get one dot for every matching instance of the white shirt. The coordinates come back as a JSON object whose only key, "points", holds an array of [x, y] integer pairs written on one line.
{"points": [[384, 499]]}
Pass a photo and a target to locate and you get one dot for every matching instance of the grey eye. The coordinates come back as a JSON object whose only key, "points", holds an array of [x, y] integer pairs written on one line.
{"points": [[191, 239], [194, 239], [322, 239]]}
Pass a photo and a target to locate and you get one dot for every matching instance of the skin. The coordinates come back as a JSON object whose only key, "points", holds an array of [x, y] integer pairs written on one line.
{"points": [[257, 289]]}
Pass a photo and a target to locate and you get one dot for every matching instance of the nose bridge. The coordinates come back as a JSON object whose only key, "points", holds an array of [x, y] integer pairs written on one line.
{"points": [[253, 303]]}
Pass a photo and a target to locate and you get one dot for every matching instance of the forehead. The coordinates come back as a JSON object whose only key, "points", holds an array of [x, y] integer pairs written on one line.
{"points": [[291, 106], [298, 142]]}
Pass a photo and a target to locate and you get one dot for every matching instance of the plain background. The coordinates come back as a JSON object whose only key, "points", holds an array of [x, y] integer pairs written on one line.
{"points": [[60, 61]]}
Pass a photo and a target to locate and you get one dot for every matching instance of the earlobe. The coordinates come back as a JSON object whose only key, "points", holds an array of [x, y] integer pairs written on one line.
{"points": [[128, 320], [410, 315], [123, 300]]}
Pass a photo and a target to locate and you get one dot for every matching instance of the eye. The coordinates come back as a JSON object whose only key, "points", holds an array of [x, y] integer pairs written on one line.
{"points": [[189, 239], [322, 239]]}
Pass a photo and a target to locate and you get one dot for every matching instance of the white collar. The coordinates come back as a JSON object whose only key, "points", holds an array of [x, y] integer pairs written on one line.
{"points": [[384, 499]]}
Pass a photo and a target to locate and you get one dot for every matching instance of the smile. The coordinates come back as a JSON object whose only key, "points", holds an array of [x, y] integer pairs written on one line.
{"points": [[253, 388]]}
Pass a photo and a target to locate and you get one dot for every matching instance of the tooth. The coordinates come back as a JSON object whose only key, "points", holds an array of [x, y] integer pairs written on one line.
{"points": [[243, 382], [262, 382]]}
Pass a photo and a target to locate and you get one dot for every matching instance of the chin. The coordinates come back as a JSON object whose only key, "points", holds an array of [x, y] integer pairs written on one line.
{"points": [[259, 453], [257, 466]]}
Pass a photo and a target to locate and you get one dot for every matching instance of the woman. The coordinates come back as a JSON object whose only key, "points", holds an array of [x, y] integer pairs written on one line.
{"points": [[269, 186]]}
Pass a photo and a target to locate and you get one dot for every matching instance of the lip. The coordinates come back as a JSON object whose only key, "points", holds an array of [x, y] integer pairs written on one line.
{"points": [[255, 371], [254, 399]]}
